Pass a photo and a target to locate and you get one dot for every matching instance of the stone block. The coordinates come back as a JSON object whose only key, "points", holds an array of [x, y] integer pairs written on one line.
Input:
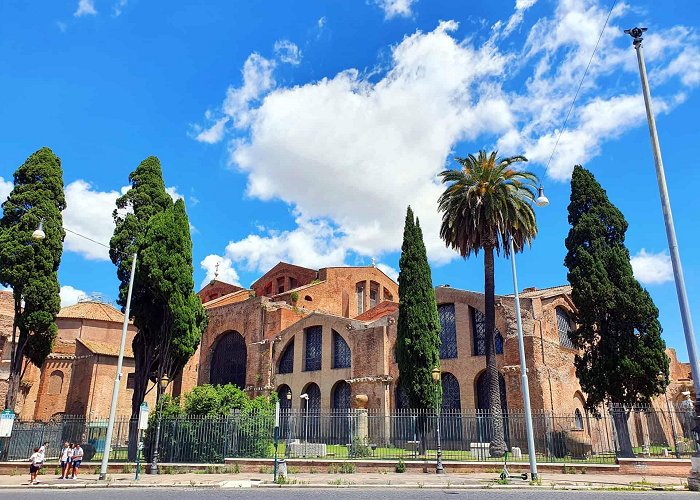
{"points": [[516, 452], [306, 450]]}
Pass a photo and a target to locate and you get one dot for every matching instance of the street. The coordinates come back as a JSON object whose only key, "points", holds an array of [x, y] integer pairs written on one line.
{"points": [[341, 494]]}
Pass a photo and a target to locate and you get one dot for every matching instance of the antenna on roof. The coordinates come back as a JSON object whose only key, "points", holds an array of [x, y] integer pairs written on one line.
{"points": [[374, 262], [216, 270]]}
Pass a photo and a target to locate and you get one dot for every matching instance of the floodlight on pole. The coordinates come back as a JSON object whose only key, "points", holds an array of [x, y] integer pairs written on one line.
{"points": [[541, 200], [39, 233]]}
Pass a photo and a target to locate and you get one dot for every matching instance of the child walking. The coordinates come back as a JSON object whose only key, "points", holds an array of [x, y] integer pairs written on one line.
{"points": [[36, 461]]}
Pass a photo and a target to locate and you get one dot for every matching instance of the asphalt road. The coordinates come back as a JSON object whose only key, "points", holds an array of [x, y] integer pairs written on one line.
{"points": [[341, 494]]}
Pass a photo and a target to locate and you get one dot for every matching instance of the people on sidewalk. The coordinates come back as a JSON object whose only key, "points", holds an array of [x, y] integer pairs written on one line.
{"points": [[66, 454], [36, 461], [77, 460]]}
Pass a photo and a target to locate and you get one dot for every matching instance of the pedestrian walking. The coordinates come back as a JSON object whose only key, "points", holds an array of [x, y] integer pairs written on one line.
{"points": [[36, 461], [77, 460], [66, 454], [42, 448]]}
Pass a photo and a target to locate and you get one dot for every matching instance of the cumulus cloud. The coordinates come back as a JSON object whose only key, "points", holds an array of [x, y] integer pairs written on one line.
{"points": [[85, 8], [396, 8], [219, 267], [172, 192], [287, 52], [118, 7], [70, 295], [362, 148], [5, 189], [652, 268], [389, 271]]}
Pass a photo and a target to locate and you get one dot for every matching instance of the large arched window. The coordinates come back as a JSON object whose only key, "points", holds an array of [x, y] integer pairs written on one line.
{"points": [[55, 383], [479, 332], [564, 328], [342, 357], [450, 392], [228, 362], [340, 396], [312, 425], [448, 331], [314, 393], [313, 342], [286, 364]]}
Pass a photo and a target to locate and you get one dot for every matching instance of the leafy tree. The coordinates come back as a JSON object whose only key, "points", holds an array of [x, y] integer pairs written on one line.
{"points": [[30, 267], [146, 198], [622, 360], [418, 328], [486, 201]]}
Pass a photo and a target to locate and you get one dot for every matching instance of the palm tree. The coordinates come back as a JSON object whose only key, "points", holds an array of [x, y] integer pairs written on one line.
{"points": [[486, 201]]}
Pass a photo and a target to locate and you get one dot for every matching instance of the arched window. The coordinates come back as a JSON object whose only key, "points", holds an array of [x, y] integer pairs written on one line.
{"points": [[373, 294], [228, 362], [312, 425], [314, 393], [479, 332], [282, 392], [313, 341], [340, 396], [448, 331], [55, 383], [578, 419], [450, 392], [564, 327], [342, 357], [388, 295], [287, 359]]}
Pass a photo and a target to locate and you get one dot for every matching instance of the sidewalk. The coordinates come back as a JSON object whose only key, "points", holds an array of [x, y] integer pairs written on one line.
{"points": [[356, 480]]}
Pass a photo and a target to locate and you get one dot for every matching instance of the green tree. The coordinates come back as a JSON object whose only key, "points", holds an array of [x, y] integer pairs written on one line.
{"points": [[486, 201], [146, 198], [622, 359], [30, 267], [418, 327]]}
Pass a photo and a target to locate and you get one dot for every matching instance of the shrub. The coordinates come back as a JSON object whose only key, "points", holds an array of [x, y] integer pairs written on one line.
{"points": [[401, 466]]}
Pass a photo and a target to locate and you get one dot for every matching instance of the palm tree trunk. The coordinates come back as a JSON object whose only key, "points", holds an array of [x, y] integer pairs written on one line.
{"points": [[497, 446]]}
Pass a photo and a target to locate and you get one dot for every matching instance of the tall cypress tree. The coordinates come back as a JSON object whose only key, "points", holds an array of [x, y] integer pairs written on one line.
{"points": [[418, 328], [146, 198], [30, 267], [622, 361]]}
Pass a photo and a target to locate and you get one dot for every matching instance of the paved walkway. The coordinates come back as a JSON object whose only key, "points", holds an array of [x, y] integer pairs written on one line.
{"points": [[373, 480]]}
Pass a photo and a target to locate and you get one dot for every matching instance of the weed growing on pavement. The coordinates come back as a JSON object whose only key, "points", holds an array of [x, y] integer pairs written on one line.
{"points": [[502, 480], [265, 469], [421, 484], [569, 470], [128, 469], [401, 466], [192, 482], [584, 470], [293, 470]]}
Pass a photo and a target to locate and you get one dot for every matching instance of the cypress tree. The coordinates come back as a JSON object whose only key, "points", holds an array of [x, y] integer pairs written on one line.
{"points": [[418, 328], [30, 267], [622, 361]]}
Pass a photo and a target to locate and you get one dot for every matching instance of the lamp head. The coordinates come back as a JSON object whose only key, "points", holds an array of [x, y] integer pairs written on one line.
{"points": [[436, 374], [541, 200], [164, 380], [39, 233], [304, 396], [289, 396]]}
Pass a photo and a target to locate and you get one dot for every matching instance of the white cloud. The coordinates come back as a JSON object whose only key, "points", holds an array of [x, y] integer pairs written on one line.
{"points": [[172, 192], [85, 8], [395, 8], [516, 19], [70, 295], [652, 268], [257, 80], [362, 148], [89, 212], [287, 52], [118, 7], [389, 271], [224, 272], [5, 189], [322, 22]]}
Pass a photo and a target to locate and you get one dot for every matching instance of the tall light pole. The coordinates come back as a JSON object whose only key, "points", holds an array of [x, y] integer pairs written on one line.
{"points": [[436, 378], [540, 201], [305, 397], [636, 34], [163, 383]]}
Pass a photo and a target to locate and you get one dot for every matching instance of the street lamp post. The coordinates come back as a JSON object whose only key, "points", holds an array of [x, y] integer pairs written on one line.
{"points": [[163, 382], [436, 378], [540, 201], [636, 34], [305, 397]]}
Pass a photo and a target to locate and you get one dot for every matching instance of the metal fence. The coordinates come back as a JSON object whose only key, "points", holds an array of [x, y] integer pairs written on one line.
{"points": [[361, 434]]}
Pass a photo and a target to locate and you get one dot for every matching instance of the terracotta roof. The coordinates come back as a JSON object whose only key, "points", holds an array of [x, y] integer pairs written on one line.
{"points": [[104, 349], [229, 298], [92, 310], [277, 266], [382, 309], [302, 287]]}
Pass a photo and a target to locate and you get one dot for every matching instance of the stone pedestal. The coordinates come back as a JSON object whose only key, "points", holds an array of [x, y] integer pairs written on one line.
{"points": [[694, 478], [362, 426]]}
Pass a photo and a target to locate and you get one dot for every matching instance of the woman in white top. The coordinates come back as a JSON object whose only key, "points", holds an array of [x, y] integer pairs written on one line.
{"points": [[37, 460], [65, 457]]}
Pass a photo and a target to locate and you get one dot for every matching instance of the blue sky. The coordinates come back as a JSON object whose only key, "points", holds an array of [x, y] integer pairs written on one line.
{"points": [[300, 131]]}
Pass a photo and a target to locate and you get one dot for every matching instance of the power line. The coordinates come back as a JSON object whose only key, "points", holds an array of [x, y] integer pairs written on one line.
{"points": [[86, 237], [580, 84]]}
